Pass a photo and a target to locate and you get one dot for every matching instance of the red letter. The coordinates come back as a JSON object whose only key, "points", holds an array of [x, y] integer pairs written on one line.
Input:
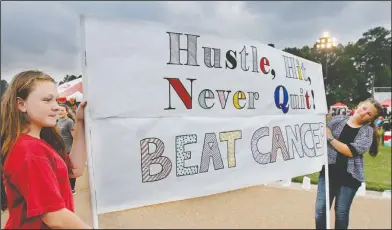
{"points": [[307, 100], [181, 92], [264, 62]]}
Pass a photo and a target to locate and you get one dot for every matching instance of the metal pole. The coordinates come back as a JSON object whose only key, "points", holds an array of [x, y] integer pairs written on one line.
{"points": [[327, 211], [91, 180], [326, 68]]}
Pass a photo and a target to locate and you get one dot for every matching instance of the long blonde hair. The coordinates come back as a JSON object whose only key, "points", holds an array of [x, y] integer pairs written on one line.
{"points": [[13, 121]]}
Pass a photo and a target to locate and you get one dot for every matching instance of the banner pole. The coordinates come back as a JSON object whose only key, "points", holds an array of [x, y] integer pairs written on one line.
{"points": [[93, 201], [326, 179]]}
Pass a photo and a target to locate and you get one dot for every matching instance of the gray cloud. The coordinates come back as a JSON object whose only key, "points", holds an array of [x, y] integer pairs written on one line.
{"points": [[299, 11], [301, 23], [44, 35]]}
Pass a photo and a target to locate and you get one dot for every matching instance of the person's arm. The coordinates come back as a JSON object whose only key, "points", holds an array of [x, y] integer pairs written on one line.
{"points": [[78, 152], [64, 219], [341, 148], [360, 145]]}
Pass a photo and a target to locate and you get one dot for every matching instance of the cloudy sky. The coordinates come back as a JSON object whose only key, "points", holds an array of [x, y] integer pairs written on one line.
{"points": [[44, 35]]}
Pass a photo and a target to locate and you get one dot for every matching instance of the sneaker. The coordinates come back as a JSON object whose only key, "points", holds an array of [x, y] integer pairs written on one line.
{"points": [[73, 192]]}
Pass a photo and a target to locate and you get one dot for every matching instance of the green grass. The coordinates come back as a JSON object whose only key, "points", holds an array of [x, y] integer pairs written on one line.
{"points": [[377, 171]]}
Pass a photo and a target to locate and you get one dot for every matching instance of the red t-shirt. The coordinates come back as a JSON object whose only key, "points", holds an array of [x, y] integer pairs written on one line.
{"points": [[36, 182]]}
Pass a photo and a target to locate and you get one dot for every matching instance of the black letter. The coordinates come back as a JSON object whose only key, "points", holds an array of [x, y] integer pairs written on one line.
{"points": [[231, 59]]}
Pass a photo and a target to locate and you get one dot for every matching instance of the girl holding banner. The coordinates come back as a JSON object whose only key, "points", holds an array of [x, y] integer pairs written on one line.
{"points": [[348, 139], [35, 165]]}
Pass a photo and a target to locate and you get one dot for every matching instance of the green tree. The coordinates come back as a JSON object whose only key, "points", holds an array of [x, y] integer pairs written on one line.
{"points": [[68, 78], [3, 87], [373, 61], [320, 56], [353, 69], [343, 75]]}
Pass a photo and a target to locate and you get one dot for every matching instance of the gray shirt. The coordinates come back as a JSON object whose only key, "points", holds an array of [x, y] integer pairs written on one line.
{"points": [[65, 127]]}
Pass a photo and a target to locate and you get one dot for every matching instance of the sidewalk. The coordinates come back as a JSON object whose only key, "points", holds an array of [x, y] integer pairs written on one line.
{"points": [[255, 207]]}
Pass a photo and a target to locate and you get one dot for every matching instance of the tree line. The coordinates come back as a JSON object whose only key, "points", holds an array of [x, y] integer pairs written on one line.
{"points": [[353, 69]]}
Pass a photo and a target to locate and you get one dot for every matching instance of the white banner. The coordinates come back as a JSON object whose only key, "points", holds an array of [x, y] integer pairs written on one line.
{"points": [[176, 113]]}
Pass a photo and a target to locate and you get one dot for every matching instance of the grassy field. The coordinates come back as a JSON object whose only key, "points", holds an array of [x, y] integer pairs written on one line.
{"points": [[377, 171]]}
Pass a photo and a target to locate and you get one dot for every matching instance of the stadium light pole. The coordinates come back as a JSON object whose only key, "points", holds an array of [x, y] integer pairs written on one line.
{"points": [[326, 44]]}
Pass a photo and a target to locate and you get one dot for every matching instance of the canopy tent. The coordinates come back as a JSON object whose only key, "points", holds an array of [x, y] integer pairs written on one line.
{"points": [[78, 96], [386, 103], [339, 105], [72, 89]]}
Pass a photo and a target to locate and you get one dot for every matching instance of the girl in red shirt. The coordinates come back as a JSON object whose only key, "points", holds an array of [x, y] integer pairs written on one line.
{"points": [[35, 167]]}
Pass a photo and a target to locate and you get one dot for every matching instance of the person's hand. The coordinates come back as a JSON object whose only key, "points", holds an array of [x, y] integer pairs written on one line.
{"points": [[329, 133], [79, 116]]}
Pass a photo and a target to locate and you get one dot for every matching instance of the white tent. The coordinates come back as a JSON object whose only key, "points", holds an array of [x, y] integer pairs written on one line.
{"points": [[338, 107], [72, 89], [78, 96]]}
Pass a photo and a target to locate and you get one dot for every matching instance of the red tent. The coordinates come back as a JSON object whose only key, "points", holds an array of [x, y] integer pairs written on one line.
{"points": [[339, 104], [70, 88], [386, 103]]}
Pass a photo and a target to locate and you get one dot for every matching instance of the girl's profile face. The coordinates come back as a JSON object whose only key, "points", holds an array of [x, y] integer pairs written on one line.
{"points": [[41, 105]]}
